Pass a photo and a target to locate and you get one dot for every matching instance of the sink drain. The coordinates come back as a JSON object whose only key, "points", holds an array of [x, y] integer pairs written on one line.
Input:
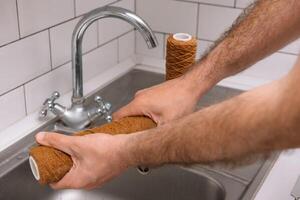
{"points": [[143, 170]]}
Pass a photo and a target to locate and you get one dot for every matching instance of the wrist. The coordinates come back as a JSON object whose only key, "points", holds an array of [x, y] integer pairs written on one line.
{"points": [[128, 149], [140, 147], [200, 78]]}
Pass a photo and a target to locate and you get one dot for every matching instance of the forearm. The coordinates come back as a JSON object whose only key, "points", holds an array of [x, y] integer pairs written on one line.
{"points": [[258, 121], [264, 28]]}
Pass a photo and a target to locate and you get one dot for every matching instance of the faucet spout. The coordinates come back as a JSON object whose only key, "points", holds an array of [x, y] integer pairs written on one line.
{"points": [[80, 115], [81, 27]]}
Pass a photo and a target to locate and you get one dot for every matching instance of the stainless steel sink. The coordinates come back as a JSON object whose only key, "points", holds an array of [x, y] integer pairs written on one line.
{"points": [[166, 183]]}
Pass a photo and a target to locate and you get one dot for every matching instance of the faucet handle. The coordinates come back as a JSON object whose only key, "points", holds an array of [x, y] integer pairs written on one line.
{"points": [[49, 104], [103, 108]]}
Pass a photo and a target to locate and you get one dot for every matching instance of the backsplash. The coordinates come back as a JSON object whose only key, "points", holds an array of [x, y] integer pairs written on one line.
{"points": [[35, 50], [207, 20]]}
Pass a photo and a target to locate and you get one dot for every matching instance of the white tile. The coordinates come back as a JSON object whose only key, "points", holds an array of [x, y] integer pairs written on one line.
{"points": [[8, 21], [202, 47], [100, 59], [41, 88], [243, 3], [272, 67], [142, 48], [126, 46], [83, 6], [213, 21], [12, 106], [169, 16], [24, 60], [61, 41], [219, 2], [36, 15], [293, 47], [111, 28]]}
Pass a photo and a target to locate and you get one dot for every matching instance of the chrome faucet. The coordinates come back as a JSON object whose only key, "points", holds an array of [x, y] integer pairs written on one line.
{"points": [[79, 116]]}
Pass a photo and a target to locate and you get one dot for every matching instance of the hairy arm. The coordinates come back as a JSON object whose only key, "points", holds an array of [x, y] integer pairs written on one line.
{"points": [[264, 27], [258, 121]]}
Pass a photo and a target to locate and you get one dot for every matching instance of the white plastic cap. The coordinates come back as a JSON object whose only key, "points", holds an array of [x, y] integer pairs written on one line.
{"points": [[185, 37], [34, 168]]}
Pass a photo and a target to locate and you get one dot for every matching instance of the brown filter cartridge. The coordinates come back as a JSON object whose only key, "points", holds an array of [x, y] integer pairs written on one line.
{"points": [[49, 165], [181, 54]]}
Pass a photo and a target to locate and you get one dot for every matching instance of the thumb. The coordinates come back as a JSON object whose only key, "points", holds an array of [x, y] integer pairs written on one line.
{"points": [[128, 110], [55, 140]]}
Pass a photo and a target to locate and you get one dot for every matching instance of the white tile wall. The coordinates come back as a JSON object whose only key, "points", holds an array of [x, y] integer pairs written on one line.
{"points": [[110, 28], [142, 48], [220, 19], [126, 49], [83, 6], [59, 80], [100, 59], [37, 62], [12, 107], [24, 60], [169, 16], [35, 15], [243, 3], [8, 21], [202, 47], [219, 2], [60, 37]]}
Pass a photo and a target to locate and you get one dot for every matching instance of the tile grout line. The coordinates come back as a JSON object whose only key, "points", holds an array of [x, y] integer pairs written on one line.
{"points": [[98, 33], [209, 4], [18, 19], [135, 38], [118, 50], [164, 46], [50, 49], [74, 8], [25, 102], [197, 20]]}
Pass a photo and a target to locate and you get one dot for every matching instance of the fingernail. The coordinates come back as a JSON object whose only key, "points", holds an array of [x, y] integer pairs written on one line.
{"points": [[40, 136]]}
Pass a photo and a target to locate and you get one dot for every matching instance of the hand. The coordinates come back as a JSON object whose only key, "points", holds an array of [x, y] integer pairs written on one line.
{"points": [[162, 103], [97, 158]]}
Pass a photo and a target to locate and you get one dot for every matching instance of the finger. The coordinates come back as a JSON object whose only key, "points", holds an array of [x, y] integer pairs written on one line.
{"points": [[128, 110], [55, 140]]}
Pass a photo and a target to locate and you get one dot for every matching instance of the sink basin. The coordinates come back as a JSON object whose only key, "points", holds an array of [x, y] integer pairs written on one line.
{"points": [[169, 182], [166, 183]]}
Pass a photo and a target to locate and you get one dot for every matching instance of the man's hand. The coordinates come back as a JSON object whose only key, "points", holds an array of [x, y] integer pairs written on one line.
{"points": [[97, 158], [164, 102]]}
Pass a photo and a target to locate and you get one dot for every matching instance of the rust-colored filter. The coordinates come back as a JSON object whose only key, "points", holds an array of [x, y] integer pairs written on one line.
{"points": [[49, 165], [181, 54]]}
